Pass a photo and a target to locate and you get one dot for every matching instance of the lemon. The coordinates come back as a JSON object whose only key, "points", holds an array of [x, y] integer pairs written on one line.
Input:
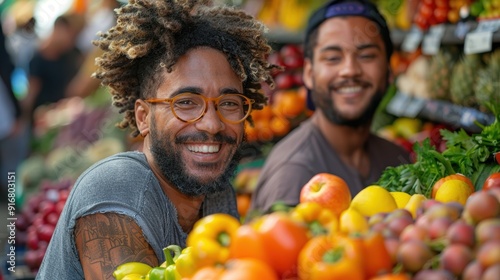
{"points": [[414, 203], [372, 200], [352, 222], [453, 190], [401, 198]]}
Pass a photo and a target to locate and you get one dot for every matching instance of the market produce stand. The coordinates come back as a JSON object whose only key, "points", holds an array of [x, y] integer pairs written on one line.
{"points": [[436, 109]]}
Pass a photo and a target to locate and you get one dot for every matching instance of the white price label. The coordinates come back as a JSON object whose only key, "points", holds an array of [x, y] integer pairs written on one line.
{"points": [[412, 40], [398, 104], [489, 25], [478, 42], [414, 107], [432, 40]]}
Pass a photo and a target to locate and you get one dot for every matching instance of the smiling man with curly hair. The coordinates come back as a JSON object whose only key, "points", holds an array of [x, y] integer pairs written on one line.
{"points": [[186, 76]]}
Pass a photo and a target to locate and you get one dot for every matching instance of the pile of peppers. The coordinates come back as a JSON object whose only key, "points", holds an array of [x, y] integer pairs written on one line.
{"points": [[302, 243]]}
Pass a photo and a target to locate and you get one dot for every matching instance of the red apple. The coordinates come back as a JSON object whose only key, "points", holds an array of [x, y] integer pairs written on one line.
{"points": [[284, 80], [329, 190], [492, 181]]}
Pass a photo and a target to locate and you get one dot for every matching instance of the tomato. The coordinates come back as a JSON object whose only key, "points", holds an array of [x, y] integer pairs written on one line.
{"points": [[242, 269], [421, 22], [247, 243], [497, 157], [331, 257], [442, 3], [426, 11], [457, 176], [377, 259], [493, 181], [392, 276], [282, 238], [250, 269], [441, 14]]}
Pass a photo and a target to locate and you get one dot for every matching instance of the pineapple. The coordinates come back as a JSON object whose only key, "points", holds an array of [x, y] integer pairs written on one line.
{"points": [[439, 75], [487, 88], [463, 79]]}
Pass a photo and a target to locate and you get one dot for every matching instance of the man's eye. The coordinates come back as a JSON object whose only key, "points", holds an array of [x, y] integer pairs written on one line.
{"points": [[368, 56], [334, 58]]}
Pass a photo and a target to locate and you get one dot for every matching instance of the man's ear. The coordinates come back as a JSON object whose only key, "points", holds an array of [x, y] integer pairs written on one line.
{"points": [[307, 73], [142, 110]]}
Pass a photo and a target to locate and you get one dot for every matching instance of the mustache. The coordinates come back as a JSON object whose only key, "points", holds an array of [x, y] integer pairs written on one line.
{"points": [[203, 137], [350, 82]]}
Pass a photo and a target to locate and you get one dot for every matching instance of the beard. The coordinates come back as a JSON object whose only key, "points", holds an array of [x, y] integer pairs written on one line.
{"points": [[324, 101], [172, 167]]}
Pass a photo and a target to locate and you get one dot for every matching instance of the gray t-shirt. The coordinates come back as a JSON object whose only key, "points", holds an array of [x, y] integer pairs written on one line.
{"points": [[304, 153], [124, 184]]}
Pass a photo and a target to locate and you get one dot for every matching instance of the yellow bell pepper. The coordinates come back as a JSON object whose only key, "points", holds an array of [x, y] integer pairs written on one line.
{"points": [[319, 220], [210, 239]]}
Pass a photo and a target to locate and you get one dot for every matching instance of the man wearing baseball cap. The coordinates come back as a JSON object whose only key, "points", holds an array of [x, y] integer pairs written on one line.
{"points": [[347, 48]]}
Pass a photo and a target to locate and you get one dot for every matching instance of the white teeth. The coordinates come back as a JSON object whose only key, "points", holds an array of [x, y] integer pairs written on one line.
{"points": [[204, 148], [350, 89]]}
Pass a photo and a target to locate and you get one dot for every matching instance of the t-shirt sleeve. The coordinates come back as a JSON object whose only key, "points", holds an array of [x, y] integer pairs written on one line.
{"points": [[124, 187], [282, 184]]}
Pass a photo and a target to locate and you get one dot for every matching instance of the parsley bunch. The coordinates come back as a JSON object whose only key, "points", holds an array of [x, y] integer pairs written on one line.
{"points": [[470, 155]]}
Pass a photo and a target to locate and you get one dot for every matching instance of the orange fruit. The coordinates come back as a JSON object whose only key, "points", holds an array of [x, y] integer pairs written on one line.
{"points": [[264, 132], [280, 126], [266, 113], [251, 132], [289, 103], [243, 203], [454, 190], [457, 176]]}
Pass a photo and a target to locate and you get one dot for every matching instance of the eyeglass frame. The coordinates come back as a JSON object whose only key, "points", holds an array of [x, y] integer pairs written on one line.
{"points": [[248, 101]]}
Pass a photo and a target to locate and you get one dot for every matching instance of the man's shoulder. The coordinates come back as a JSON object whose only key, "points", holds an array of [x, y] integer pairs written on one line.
{"points": [[121, 165]]}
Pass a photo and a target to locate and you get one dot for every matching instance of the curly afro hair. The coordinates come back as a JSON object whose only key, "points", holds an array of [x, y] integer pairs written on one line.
{"points": [[151, 35]]}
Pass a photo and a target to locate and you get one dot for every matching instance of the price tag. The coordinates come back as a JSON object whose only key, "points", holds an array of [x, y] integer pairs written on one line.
{"points": [[478, 42], [397, 105], [412, 40], [489, 25], [414, 107], [432, 40], [462, 29]]}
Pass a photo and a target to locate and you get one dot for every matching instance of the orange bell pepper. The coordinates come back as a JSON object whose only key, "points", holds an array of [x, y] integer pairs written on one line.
{"points": [[331, 257]]}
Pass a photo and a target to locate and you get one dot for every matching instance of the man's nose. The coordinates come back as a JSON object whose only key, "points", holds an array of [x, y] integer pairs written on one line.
{"points": [[350, 67], [210, 122]]}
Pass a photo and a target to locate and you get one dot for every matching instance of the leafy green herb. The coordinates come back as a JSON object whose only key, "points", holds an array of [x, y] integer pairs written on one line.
{"points": [[470, 155]]}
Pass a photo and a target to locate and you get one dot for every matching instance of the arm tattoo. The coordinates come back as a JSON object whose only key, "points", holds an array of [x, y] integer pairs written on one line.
{"points": [[106, 240]]}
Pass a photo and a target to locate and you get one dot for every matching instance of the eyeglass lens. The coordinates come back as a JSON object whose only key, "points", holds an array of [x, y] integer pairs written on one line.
{"points": [[188, 107]]}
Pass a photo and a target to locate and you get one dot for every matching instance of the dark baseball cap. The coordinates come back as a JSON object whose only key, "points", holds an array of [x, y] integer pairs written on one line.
{"points": [[363, 8]]}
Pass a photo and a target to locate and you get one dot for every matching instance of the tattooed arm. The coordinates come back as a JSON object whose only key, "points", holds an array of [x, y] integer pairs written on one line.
{"points": [[106, 240]]}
